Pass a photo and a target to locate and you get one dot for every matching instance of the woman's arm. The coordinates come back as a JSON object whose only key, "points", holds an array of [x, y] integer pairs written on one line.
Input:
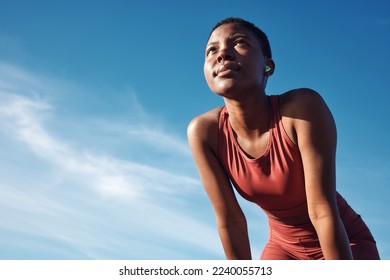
{"points": [[316, 136], [231, 222]]}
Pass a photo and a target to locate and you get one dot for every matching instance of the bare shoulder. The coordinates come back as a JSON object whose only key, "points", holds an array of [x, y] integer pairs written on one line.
{"points": [[302, 103], [203, 128], [303, 110]]}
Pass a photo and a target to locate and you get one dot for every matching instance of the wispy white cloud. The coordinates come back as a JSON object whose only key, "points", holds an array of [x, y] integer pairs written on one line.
{"points": [[98, 204]]}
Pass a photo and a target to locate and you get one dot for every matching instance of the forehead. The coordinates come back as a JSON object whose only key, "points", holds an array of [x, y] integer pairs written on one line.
{"points": [[228, 30]]}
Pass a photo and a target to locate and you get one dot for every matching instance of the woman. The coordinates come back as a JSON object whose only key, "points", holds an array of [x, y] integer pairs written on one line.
{"points": [[277, 151]]}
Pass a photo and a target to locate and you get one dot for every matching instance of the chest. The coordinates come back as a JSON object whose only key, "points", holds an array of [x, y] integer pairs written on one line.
{"points": [[274, 180]]}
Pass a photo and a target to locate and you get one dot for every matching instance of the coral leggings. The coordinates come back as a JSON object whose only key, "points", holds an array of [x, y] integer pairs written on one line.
{"points": [[300, 242]]}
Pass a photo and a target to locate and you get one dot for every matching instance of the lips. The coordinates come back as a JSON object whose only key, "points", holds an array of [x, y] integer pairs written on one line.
{"points": [[226, 69]]}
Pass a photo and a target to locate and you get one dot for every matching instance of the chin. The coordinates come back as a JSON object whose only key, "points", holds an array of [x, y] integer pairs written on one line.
{"points": [[230, 94], [225, 87]]}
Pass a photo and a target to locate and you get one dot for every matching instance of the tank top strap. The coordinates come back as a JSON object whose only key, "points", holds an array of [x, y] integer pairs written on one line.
{"points": [[274, 99], [222, 118], [276, 126]]}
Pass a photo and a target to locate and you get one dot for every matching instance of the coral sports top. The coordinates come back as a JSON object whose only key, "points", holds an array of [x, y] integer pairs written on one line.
{"points": [[275, 180]]}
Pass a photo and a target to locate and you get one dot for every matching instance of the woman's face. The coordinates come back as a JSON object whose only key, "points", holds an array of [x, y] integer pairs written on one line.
{"points": [[234, 62]]}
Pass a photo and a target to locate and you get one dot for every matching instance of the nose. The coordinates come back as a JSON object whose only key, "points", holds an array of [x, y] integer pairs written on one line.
{"points": [[225, 54]]}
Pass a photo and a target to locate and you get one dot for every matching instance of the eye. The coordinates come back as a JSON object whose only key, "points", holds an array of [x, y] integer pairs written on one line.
{"points": [[211, 50], [241, 42]]}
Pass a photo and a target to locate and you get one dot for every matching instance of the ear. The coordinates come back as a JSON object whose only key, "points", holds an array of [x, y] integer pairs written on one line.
{"points": [[269, 67]]}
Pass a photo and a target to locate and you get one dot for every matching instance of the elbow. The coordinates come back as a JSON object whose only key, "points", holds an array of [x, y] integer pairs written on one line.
{"points": [[319, 215], [225, 222], [236, 225]]}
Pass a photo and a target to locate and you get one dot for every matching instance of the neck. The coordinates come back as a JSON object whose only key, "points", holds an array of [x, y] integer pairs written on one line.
{"points": [[250, 117]]}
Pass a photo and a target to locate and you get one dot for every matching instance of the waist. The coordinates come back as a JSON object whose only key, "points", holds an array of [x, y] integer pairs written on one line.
{"points": [[293, 220], [295, 214], [290, 230]]}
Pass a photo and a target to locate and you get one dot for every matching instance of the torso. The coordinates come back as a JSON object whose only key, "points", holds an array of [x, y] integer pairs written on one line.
{"points": [[274, 179]]}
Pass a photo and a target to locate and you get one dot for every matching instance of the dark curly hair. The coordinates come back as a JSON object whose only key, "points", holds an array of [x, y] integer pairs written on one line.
{"points": [[261, 36]]}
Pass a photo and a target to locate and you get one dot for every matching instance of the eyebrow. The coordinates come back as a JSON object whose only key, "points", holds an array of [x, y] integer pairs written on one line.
{"points": [[231, 37]]}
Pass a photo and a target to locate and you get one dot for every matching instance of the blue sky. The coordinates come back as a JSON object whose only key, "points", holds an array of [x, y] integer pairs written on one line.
{"points": [[95, 97]]}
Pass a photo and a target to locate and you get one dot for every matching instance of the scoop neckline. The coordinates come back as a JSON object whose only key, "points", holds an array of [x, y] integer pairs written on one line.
{"points": [[269, 142]]}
